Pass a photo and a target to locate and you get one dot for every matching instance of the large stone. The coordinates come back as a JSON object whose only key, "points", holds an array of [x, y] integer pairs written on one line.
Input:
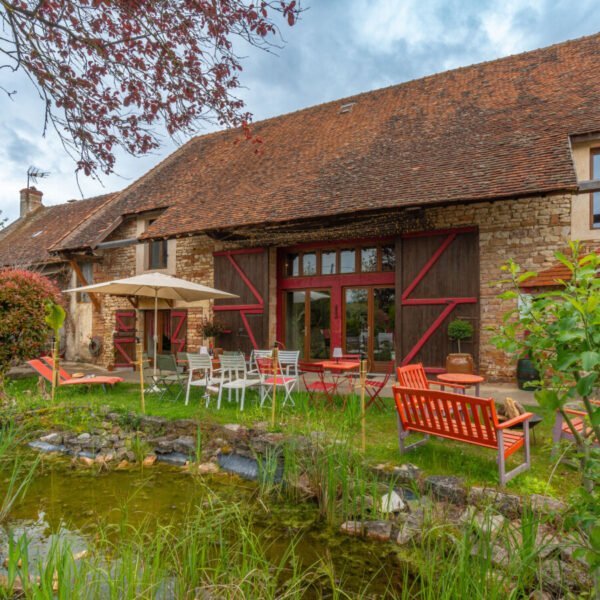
{"points": [[355, 528], [208, 468], [487, 525], [186, 444], [149, 460], [507, 504], [546, 506], [52, 438], [447, 488], [83, 438], [411, 527], [392, 503], [560, 577], [496, 554], [378, 530], [407, 473], [234, 428]]}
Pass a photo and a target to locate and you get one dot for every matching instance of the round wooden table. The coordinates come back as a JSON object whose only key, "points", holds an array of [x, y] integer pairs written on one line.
{"points": [[462, 379]]}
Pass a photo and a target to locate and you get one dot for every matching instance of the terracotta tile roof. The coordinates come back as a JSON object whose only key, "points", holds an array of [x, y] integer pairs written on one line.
{"points": [[493, 130], [25, 242], [550, 277], [558, 272]]}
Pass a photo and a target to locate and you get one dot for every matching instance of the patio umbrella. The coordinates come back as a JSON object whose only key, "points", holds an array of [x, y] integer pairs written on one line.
{"points": [[157, 286]]}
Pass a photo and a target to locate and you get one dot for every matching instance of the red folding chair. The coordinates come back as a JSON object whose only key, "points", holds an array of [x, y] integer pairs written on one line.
{"points": [[317, 385], [375, 383]]}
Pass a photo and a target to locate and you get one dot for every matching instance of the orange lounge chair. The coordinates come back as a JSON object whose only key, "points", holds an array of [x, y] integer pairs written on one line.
{"points": [[45, 370]]}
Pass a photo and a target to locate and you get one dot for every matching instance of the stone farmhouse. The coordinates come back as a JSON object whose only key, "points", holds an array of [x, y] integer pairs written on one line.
{"points": [[367, 223]]}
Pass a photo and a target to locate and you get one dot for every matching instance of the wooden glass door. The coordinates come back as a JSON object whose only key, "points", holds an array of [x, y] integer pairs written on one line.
{"points": [[369, 322], [163, 345], [308, 323]]}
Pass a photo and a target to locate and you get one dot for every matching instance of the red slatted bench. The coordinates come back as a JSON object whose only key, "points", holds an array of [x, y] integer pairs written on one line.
{"points": [[461, 418], [562, 431]]}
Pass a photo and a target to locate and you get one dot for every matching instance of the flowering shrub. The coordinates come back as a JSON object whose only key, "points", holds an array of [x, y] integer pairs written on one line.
{"points": [[23, 329]]}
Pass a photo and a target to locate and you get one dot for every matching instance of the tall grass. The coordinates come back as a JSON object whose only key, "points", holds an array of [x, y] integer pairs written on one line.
{"points": [[216, 553], [21, 471]]}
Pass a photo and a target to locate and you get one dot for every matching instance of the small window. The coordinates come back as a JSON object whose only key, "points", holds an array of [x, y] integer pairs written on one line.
{"points": [[347, 261], [328, 262], [292, 265], [388, 258], [368, 260], [87, 270], [595, 196], [309, 264], [157, 253]]}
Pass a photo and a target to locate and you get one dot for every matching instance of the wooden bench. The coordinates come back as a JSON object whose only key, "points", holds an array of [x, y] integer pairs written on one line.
{"points": [[562, 431], [461, 418]]}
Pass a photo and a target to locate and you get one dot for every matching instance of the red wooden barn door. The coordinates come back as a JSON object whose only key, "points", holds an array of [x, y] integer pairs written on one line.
{"points": [[437, 280], [124, 338], [245, 273], [178, 330]]}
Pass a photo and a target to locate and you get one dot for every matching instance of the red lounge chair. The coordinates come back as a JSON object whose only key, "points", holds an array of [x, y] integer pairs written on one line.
{"points": [[464, 419], [45, 371]]}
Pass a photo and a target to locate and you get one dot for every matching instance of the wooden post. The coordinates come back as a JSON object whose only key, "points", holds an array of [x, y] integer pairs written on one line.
{"points": [[275, 366], [55, 368], [363, 379], [140, 363]]}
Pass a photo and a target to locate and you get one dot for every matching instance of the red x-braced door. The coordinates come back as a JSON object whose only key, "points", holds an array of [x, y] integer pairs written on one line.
{"points": [[438, 275], [178, 330], [245, 273], [124, 338]]}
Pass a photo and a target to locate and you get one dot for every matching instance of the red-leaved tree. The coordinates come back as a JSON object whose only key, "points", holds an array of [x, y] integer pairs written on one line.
{"points": [[111, 71], [23, 329]]}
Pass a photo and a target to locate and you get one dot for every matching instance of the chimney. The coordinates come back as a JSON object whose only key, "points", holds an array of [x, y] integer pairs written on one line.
{"points": [[31, 199]]}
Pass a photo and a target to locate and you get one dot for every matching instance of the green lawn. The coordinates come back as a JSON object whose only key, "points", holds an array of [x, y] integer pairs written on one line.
{"points": [[477, 465]]}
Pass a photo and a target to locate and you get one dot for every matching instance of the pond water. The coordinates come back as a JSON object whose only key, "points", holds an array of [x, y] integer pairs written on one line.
{"points": [[75, 502]]}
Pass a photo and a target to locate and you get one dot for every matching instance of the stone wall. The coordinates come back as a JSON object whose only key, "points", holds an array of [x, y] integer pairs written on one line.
{"points": [[116, 263], [526, 230], [529, 231]]}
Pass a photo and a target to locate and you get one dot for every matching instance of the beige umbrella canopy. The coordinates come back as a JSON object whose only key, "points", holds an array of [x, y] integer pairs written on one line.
{"points": [[157, 286]]}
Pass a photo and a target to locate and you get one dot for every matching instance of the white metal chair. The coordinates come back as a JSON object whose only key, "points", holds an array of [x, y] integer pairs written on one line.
{"points": [[288, 359], [270, 376], [232, 375], [199, 364], [254, 355]]}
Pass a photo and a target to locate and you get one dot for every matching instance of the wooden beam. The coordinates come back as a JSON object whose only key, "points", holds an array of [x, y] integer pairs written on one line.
{"points": [[593, 185], [585, 137], [80, 276], [133, 300]]}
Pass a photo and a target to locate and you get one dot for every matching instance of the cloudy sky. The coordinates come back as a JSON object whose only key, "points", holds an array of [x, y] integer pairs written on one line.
{"points": [[340, 47]]}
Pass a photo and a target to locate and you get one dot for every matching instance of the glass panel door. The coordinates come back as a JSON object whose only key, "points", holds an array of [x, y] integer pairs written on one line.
{"points": [[295, 321], [384, 320], [369, 322], [356, 321], [320, 323], [308, 322]]}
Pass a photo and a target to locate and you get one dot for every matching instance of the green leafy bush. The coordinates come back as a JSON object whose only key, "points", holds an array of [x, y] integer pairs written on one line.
{"points": [[23, 329], [560, 332]]}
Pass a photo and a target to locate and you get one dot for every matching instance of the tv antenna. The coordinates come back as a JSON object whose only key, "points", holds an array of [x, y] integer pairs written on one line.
{"points": [[35, 173]]}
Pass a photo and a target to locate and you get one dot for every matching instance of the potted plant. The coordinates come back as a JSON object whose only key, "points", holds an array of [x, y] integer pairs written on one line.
{"points": [[209, 329], [459, 330]]}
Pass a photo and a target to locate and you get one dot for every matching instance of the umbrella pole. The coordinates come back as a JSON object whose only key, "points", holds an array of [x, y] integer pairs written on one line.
{"points": [[140, 350], [155, 341]]}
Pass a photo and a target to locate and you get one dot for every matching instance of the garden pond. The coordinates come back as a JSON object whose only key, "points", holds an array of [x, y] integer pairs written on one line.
{"points": [[74, 504]]}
